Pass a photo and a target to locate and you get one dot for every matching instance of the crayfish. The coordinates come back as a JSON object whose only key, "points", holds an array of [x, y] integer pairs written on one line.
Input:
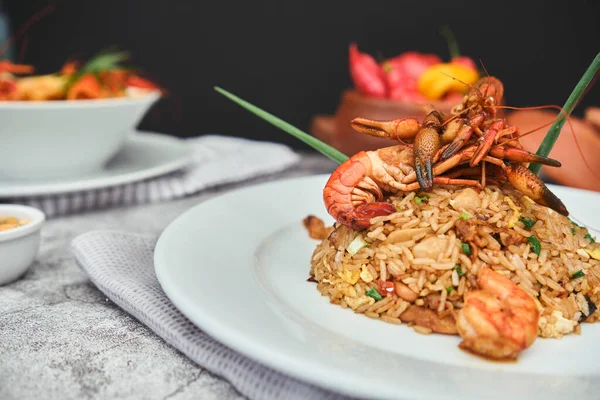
{"points": [[465, 148]]}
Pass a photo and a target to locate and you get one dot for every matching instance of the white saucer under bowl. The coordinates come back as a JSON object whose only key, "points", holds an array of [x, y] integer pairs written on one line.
{"points": [[145, 155]]}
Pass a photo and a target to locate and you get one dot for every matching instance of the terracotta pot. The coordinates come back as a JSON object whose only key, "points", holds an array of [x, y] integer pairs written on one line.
{"points": [[574, 171], [337, 132]]}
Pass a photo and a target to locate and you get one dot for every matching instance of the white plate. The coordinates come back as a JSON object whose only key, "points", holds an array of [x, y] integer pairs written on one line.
{"points": [[145, 155], [237, 265]]}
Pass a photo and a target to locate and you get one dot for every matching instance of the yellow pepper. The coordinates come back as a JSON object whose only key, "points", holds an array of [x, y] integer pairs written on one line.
{"points": [[437, 80]]}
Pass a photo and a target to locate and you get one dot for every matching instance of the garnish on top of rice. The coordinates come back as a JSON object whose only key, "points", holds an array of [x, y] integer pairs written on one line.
{"points": [[452, 233], [498, 264]]}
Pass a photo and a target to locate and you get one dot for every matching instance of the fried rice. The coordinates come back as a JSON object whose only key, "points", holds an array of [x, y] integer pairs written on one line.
{"points": [[415, 265]]}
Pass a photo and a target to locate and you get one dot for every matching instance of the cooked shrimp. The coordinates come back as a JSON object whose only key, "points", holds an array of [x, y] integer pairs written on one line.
{"points": [[498, 321]]}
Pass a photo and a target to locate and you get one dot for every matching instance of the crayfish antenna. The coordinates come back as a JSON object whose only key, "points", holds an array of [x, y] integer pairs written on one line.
{"points": [[488, 76], [562, 114]]}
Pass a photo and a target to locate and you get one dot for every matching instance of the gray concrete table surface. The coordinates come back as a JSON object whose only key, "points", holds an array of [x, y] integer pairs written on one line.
{"points": [[61, 338]]}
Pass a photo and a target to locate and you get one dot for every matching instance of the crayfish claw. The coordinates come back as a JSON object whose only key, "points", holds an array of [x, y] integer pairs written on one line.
{"points": [[545, 161], [462, 136], [552, 201], [451, 149], [522, 156], [531, 185], [427, 144], [424, 172], [402, 128]]}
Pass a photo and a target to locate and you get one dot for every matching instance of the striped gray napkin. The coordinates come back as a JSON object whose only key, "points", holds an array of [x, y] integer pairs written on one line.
{"points": [[121, 266], [216, 160]]}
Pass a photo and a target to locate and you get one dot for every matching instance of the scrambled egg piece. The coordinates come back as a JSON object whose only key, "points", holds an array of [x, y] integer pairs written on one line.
{"points": [[529, 199], [354, 303], [516, 214], [555, 325], [365, 275], [348, 291], [594, 253], [350, 277]]}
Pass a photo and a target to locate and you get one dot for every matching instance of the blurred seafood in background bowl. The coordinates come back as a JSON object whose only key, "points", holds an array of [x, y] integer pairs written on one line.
{"points": [[395, 88], [72, 122]]}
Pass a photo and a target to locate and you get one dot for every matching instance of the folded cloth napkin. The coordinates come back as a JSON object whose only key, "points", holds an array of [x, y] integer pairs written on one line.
{"points": [[121, 265], [215, 160]]}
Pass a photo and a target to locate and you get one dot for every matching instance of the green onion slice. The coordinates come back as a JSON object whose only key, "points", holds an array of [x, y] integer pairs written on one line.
{"points": [[535, 244], [465, 216], [373, 293], [420, 199], [578, 274], [466, 249], [528, 223]]}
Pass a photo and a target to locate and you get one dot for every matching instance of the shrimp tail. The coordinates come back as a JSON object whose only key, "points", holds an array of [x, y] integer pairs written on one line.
{"points": [[352, 197]]}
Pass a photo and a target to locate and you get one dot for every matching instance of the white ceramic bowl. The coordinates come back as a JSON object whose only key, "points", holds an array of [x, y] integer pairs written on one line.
{"points": [[19, 246], [57, 139]]}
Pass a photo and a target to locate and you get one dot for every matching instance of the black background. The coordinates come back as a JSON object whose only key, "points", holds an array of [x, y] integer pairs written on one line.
{"points": [[290, 58]]}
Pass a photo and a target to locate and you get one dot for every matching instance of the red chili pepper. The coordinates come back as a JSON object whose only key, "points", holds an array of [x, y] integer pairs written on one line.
{"points": [[384, 288], [464, 61], [407, 90], [366, 73], [402, 73], [413, 63], [407, 94], [395, 78]]}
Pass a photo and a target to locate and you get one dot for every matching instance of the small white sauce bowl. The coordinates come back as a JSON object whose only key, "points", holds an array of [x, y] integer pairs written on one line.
{"points": [[19, 246]]}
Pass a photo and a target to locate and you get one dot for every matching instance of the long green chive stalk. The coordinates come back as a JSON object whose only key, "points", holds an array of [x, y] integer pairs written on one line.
{"points": [[552, 135], [310, 140]]}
